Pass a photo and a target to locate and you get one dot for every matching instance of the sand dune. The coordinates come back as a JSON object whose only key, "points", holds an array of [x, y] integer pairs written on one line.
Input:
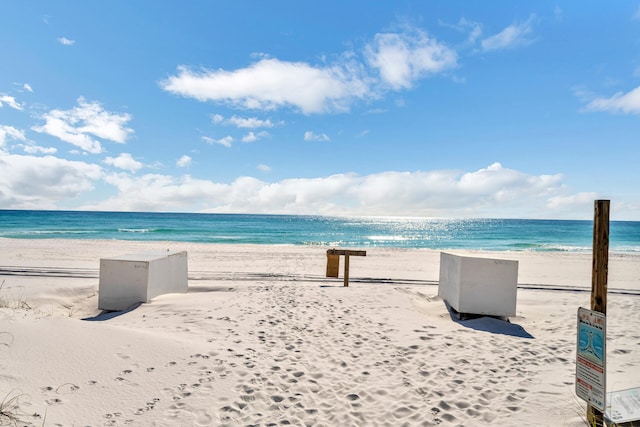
{"points": [[263, 338]]}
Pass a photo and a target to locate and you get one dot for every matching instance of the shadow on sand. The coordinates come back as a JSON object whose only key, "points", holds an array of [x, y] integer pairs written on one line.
{"points": [[494, 325], [107, 314], [209, 288]]}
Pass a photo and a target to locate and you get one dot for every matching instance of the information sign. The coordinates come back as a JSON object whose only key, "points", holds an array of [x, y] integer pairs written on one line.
{"points": [[624, 406], [591, 355]]}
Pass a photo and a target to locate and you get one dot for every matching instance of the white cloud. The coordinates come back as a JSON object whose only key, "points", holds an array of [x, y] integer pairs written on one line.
{"points": [[10, 101], [65, 41], [627, 103], [10, 133], [636, 14], [581, 201], [473, 29], [22, 87], [125, 162], [30, 182], [250, 122], [153, 192], [36, 149], [391, 61], [493, 191], [505, 184], [402, 58], [79, 125], [310, 136], [269, 84], [437, 193], [513, 36], [242, 122], [252, 136], [226, 141], [184, 161]]}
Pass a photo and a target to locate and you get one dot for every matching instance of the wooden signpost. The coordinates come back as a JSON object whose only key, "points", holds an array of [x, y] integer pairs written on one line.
{"points": [[333, 259], [599, 274]]}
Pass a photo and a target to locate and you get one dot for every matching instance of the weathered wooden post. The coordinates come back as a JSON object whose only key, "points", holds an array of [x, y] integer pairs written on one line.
{"points": [[346, 268], [599, 274]]}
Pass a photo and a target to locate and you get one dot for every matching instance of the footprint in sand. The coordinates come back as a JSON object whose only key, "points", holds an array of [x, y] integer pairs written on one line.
{"points": [[353, 397], [489, 394], [203, 418], [67, 388], [113, 415], [449, 417], [401, 412], [149, 406]]}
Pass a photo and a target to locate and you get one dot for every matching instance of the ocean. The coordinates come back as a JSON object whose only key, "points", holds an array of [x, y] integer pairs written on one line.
{"points": [[429, 233]]}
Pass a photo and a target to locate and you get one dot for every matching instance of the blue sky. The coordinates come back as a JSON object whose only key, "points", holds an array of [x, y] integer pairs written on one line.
{"points": [[403, 108]]}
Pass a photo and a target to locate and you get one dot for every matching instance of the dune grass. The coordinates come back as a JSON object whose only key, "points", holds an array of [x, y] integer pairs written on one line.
{"points": [[10, 409], [10, 414], [19, 303]]}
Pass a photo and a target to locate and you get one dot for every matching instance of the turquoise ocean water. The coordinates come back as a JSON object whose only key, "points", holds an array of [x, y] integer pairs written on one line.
{"points": [[484, 234]]}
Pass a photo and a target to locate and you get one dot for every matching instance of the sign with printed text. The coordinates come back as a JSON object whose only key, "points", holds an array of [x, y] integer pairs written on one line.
{"points": [[624, 406], [590, 358]]}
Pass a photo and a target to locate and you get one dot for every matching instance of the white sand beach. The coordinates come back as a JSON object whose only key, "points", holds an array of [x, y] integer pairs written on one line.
{"points": [[262, 337]]}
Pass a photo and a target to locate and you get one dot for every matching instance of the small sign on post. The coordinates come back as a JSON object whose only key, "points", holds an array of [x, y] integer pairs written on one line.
{"points": [[591, 358], [333, 265], [333, 261]]}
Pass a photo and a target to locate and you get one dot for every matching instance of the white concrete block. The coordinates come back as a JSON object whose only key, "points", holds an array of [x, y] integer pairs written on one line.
{"points": [[129, 279], [479, 285]]}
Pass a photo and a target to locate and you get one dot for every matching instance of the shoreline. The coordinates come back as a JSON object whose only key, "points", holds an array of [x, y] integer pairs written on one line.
{"points": [[263, 337], [635, 251], [367, 232], [412, 263]]}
